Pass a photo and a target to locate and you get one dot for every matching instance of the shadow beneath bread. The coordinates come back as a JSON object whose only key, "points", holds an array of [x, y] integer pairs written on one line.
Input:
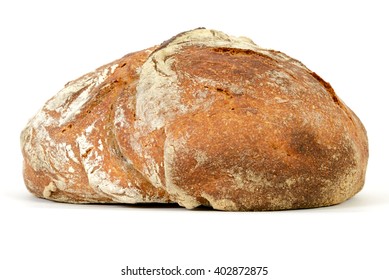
{"points": [[361, 202], [164, 206], [34, 201]]}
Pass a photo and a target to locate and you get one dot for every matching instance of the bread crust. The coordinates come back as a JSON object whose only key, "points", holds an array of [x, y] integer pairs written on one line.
{"points": [[203, 119]]}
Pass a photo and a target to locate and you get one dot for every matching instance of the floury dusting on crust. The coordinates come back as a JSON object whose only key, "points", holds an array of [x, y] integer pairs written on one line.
{"points": [[68, 110], [83, 87], [98, 178], [46, 154], [157, 91]]}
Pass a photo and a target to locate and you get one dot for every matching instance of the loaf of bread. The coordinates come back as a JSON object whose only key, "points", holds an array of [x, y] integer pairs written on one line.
{"points": [[202, 119]]}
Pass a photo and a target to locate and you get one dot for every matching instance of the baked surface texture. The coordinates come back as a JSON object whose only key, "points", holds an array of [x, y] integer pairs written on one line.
{"points": [[202, 119]]}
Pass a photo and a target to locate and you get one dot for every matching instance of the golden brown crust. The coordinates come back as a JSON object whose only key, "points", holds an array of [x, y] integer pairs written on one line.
{"points": [[204, 119]]}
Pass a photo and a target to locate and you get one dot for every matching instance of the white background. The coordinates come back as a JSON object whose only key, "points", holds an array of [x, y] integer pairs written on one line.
{"points": [[44, 44]]}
